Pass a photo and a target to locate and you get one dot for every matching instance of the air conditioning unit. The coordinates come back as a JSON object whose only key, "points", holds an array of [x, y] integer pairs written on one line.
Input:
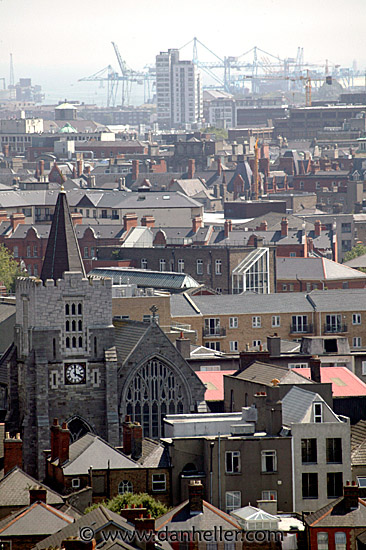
{"points": [[242, 429]]}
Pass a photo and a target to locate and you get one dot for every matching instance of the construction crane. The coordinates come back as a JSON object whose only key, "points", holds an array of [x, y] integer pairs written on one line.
{"points": [[109, 75]]}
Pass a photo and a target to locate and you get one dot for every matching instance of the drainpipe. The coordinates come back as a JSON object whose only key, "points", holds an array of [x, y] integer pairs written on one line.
{"points": [[212, 444], [219, 469]]}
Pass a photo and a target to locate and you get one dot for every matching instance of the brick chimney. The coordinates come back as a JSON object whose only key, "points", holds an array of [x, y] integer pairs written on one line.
{"points": [[219, 167], [129, 221], [315, 365], [191, 168], [87, 170], [3, 216], [148, 221], [37, 494], [133, 513], [55, 439], [263, 226], [195, 492], [41, 167], [126, 434], [227, 228], [197, 223], [183, 345], [284, 227], [350, 495], [135, 170], [13, 452], [318, 228], [132, 438], [15, 220], [79, 168], [77, 218], [64, 443], [146, 525]]}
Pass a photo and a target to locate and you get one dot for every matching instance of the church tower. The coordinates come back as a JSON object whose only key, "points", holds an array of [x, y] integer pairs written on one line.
{"points": [[65, 364]]}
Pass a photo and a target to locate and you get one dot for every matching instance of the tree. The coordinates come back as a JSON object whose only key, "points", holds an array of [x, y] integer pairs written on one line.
{"points": [[9, 269], [116, 504], [220, 133], [358, 250]]}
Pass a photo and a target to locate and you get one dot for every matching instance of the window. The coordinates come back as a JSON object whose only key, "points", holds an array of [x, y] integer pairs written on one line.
{"points": [[86, 252], [298, 365], [35, 251], [213, 345], [75, 483], [234, 346], [309, 485], [276, 320], [218, 265], [334, 450], [199, 267], [162, 265], [212, 327], [233, 322], [16, 252], [299, 323], [257, 343], [356, 318], [219, 290], [308, 451], [333, 323], [35, 270], [340, 539], [269, 461], [284, 288], [28, 251], [356, 342], [180, 266], [361, 481], [346, 228], [269, 495], [232, 461], [158, 483], [256, 321], [104, 214], [125, 487], [346, 246], [364, 368], [143, 263], [292, 254], [334, 484], [322, 539], [318, 412], [232, 500]]}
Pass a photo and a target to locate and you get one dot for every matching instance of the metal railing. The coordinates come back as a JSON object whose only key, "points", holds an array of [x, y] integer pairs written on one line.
{"points": [[334, 328], [301, 329], [214, 332]]}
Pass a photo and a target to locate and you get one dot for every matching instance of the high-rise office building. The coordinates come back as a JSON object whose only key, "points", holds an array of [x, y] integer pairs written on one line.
{"points": [[179, 91]]}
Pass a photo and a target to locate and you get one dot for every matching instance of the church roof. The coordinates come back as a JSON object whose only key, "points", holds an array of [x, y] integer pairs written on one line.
{"points": [[62, 253]]}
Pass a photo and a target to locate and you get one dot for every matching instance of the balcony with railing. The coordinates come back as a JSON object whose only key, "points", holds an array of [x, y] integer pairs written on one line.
{"points": [[214, 332], [333, 328], [301, 329]]}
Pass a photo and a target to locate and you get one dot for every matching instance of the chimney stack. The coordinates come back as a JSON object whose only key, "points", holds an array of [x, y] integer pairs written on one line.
{"points": [[41, 168], [227, 228], [191, 168], [318, 228], [15, 220], [77, 218], [219, 167], [129, 221], [37, 494], [197, 223], [195, 491], [274, 345], [55, 439], [13, 452], [148, 221], [79, 168], [77, 544], [132, 438], [135, 170], [3, 216], [64, 443], [284, 227], [350, 495], [315, 365], [183, 345]]}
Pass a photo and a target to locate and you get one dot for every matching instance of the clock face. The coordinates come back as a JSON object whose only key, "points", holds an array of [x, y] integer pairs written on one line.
{"points": [[75, 373]]}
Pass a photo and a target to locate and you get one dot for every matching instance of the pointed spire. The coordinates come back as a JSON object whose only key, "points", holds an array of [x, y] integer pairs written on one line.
{"points": [[62, 252]]}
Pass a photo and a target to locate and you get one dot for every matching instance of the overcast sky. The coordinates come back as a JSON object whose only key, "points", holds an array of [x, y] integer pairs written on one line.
{"points": [[55, 43]]}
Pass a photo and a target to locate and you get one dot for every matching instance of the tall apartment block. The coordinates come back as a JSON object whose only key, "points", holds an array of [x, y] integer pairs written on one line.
{"points": [[179, 91]]}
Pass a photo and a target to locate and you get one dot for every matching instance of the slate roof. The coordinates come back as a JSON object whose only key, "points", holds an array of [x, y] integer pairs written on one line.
{"points": [[157, 180], [344, 382], [334, 514], [358, 434], [14, 489], [179, 519], [273, 220], [314, 268], [98, 519], [296, 404], [6, 311], [62, 252], [37, 519], [358, 262], [154, 455], [127, 335], [214, 382], [145, 278], [91, 450], [264, 373]]}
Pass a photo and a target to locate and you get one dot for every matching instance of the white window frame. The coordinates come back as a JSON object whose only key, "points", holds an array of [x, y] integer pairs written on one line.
{"points": [[75, 482], [256, 321], [232, 501], [298, 365], [234, 345], [340, 545], [218, 267], [257, 343], [158, 485], [356, 318], [233, 322], [363, 367], [199, 267], [318, 416], [264, 455], [276, 321], [267, 495], [322, 540], [143, 263], [234, 466], [162, 264], [180, 265], [125, 486]]}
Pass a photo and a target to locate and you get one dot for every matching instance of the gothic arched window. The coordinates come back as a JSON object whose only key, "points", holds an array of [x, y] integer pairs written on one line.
{"points": [[125, 487], [154, 392]]}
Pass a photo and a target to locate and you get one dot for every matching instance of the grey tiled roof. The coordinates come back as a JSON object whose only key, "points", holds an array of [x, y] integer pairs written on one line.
{"points": [[154, 455], [358, 434], [14, 489], [179, 519], [264, 373], [314, 268], [127, 335], [38, 519], [334, 514], [296, 403]]}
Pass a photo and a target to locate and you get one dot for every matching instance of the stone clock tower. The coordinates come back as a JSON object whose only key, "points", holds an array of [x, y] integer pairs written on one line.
{"points": [[63, 364]]}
